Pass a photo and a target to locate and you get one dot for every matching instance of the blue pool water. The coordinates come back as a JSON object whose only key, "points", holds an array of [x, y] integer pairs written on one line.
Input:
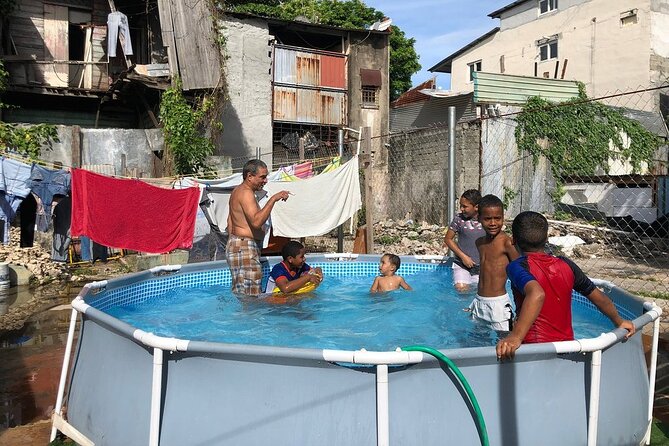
{"points": [[340, 314]]}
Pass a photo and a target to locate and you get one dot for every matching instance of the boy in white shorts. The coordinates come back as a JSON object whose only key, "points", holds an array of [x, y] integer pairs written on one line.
{"points": [[492, 304]]}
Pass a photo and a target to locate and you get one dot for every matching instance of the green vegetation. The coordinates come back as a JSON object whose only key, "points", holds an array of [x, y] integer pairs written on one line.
{"points": [[579, 136], [388, 239], [509, 196], [653, 294], [183, 129], [26, 140], [348, 14]]}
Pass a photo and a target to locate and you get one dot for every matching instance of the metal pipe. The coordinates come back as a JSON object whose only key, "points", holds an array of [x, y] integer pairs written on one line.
{"points": [[651, 377], [382, 418], [593, 412], [340, 228], [257, 153], [63, 371], [156, 395], [451, 163]]}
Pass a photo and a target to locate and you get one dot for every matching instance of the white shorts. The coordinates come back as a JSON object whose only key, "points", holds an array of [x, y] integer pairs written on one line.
{"points": [[496, 311], [461, 275]]}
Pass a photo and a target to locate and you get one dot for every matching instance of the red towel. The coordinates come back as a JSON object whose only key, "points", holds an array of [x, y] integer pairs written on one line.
{"points": [[132, 214], [304, 170]]}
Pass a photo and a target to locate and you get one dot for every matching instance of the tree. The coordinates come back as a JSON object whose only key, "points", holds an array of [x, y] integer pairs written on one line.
{"points": [[347, 14]]}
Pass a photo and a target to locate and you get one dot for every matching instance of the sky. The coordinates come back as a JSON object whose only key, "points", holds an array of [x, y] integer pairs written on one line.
{"points": [[440, 27]]}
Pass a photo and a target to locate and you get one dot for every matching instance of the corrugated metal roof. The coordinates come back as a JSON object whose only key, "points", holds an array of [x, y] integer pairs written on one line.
{"points": [[431, 112], [309, 68], [414, 95], [508, 89], [309, 106]]}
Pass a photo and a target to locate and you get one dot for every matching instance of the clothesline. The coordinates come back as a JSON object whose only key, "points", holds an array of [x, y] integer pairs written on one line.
{"points": [[317, 162]]}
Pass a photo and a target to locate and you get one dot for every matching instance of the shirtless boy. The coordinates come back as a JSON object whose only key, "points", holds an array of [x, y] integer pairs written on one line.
{"points": [[388, 280], [245, 227], [492, 304]]}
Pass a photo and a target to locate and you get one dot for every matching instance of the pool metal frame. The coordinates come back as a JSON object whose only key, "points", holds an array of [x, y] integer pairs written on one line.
{"points": [[380, 360]]}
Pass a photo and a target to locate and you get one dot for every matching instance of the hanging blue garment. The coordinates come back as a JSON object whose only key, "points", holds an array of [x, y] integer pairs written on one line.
{"points": [[15, 185], [45, 183]]}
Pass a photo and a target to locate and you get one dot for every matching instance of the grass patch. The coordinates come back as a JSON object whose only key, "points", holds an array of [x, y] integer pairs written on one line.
{"points": [[659, 434], [654, 294]]}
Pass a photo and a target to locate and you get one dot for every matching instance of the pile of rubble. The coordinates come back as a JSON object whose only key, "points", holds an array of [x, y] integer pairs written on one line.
{"points": [[37, 260], [405, 237]]}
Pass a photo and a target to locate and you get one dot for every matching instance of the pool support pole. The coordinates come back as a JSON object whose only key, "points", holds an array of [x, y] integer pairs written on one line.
{"points": [[63, 372], [382, 416], [653, 367], [593, 409], [156, 393], [480, 422]]}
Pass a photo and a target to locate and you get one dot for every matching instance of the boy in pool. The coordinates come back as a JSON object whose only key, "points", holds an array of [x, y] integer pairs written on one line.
{"points": [[468, 229], [492, 303], [388, 281], [293, 273], [542, 285]]}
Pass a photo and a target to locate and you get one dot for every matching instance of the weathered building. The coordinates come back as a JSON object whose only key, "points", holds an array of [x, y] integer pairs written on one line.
{"points": [[291, 83], [609, 45]]}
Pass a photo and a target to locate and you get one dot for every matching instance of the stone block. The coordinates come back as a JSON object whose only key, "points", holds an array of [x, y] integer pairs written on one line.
{"points": [[19, 275]]}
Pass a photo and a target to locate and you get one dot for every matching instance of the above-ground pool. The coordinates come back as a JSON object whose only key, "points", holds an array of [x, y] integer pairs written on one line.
{"points": [[303, 383]]}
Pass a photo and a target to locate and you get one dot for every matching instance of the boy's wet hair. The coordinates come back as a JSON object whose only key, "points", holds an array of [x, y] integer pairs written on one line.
{"points": [[291, 249], [394, 260], [252, 166], [530, 231], [490, 201], [472, 195]]}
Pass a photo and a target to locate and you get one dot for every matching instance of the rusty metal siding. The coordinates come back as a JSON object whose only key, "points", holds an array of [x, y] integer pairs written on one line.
{"points": [[309, 86], [285, 104], [308, 68], [333, 71], [293, 104]]}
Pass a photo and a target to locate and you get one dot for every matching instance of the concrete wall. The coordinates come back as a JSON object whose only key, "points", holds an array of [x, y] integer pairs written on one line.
{"points": [[372, 54], [105, 146], [659, 42], [247, 119], [601, 53], [417, 172]]}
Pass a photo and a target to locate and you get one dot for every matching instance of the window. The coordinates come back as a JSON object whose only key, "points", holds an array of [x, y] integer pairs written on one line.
{"points": [[473, 68], [547, 6], [548, 50], [370, 98], [628, 18]]}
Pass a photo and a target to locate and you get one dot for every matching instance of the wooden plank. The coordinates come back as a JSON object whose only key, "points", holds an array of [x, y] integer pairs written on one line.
{"points": [[167, 29], [199, 57], [56, 44]]}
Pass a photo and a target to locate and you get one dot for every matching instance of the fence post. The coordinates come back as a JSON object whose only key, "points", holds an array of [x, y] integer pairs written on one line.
{"points": [[340, 228], [258, 154], [451, 164], [366, 163]]}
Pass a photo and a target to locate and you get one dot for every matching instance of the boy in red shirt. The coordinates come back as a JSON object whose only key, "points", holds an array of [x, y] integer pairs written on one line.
{"points": [[542, 285]]}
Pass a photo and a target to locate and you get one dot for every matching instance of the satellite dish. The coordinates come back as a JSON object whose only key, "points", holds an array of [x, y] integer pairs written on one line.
{"points": [[381, 25]]}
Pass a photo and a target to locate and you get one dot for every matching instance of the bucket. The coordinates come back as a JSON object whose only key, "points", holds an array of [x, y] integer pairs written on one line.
{"points": [[4, 275]]}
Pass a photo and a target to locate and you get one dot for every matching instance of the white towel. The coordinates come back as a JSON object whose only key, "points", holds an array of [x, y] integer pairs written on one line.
{"points": [[318, 204]]}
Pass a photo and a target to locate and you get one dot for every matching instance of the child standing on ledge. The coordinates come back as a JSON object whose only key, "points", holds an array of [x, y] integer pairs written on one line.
{"points": [[388, 281], [467, 227]]}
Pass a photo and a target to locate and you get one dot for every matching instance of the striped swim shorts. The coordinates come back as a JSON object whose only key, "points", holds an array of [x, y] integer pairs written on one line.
{"points": [[243, 256]]}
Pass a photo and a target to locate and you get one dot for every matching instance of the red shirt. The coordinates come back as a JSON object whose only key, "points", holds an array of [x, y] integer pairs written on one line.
{"points": [[558, 276]]}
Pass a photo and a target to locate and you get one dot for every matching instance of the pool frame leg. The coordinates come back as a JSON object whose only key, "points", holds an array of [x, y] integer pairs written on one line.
{"points": [[651, 377], [595, 380], [156, 397], [382, 418], [63, 373]]}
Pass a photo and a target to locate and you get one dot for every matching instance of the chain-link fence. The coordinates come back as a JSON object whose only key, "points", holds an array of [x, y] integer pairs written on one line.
{"points": [[596, 168]]}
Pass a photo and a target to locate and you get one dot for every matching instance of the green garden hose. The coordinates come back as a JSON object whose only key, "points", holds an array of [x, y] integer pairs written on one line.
{"points": [[483, 432]]}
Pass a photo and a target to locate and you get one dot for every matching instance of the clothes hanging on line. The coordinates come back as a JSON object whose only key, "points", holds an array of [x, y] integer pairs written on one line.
{"points": [[15, 186], [319, 204], [118, 21], [131, 214], [28, 213], [62, 213], [45, 183]]}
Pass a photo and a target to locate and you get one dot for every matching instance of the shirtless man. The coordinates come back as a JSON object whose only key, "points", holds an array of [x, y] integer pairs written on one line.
{"points": [[492, 304], [245, 227]]}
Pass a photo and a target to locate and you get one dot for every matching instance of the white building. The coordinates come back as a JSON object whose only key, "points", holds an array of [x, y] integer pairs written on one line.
{"points": [[609, 45]]}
